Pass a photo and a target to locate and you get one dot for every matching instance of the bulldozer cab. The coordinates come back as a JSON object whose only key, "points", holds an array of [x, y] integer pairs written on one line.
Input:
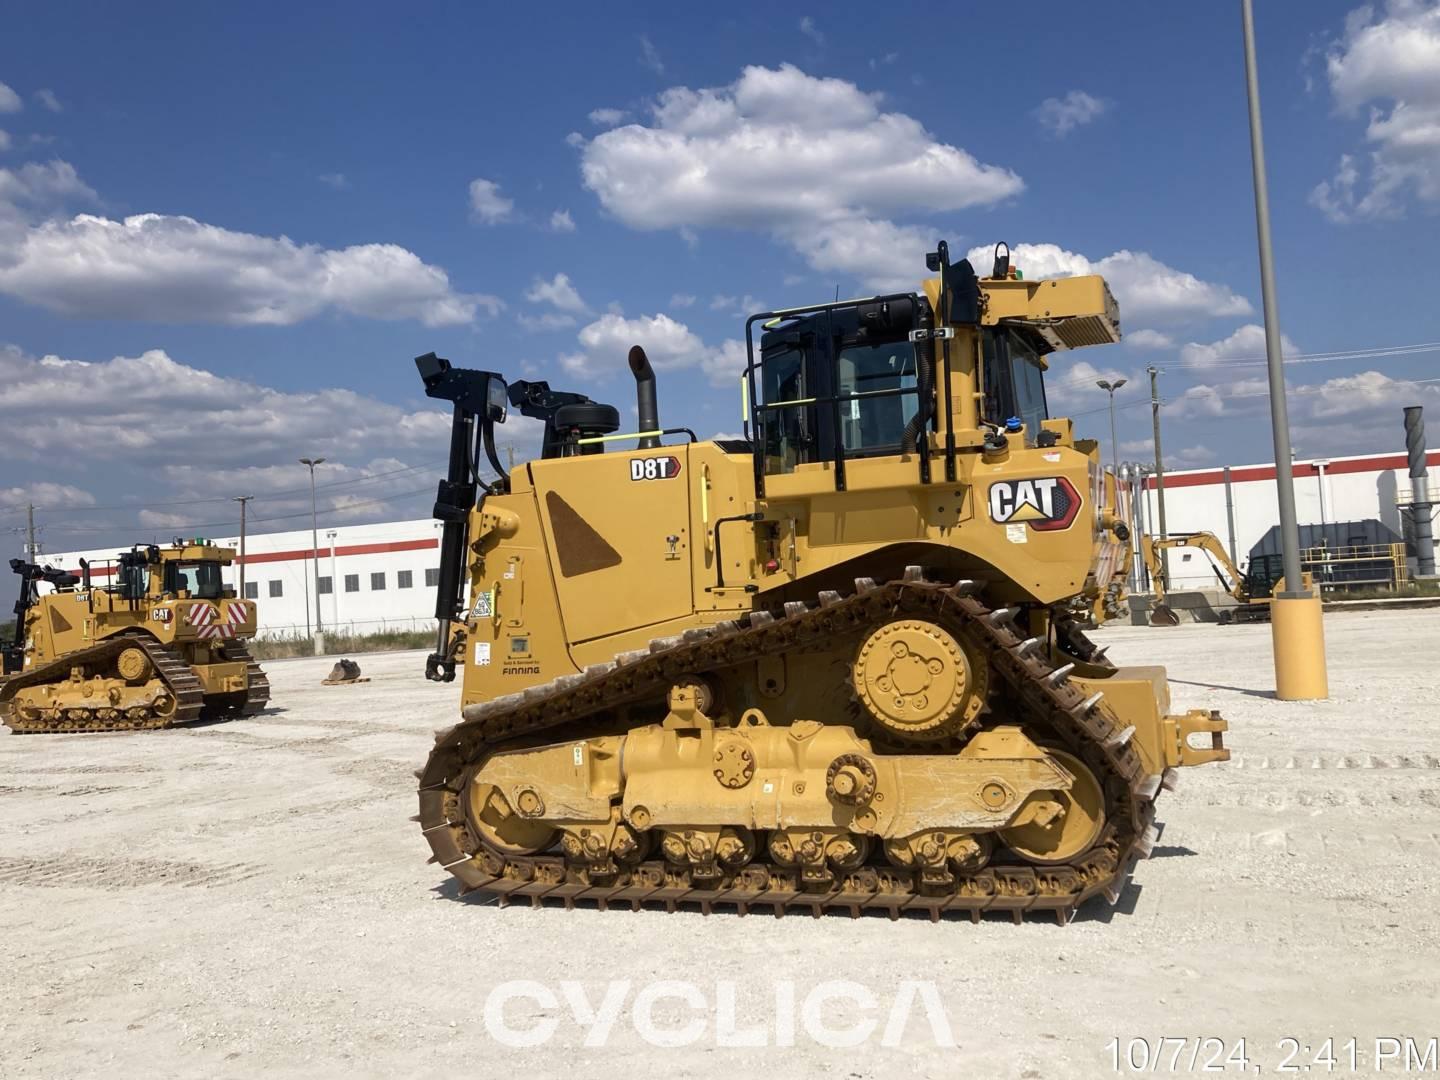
{"points": [[842, 382]]}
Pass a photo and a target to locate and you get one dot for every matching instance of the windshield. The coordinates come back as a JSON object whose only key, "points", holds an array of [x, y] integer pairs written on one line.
{"points": [[1014, 381], [200, 579]]}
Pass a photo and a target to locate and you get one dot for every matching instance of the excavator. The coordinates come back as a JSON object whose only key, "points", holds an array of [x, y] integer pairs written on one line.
{"points": [[1251, 596], [837, 664]]}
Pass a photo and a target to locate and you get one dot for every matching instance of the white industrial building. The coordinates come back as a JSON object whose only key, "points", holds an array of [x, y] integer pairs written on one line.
{"points": [[386, 573], [1239, 505]]}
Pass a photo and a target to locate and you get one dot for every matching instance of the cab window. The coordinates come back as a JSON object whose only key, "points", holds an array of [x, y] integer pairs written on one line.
{"points": [[874, 418], [200, 580], [1014, 381], [789, 428]]}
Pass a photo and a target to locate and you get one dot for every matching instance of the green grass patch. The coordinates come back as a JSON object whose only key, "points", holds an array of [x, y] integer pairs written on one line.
{"points": [[341, 644]]}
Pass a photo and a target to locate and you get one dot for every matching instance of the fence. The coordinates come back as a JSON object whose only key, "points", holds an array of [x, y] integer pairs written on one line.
{"points": [[353, 627]]}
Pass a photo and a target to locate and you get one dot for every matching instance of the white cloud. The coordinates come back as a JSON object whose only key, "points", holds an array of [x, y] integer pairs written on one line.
{"points": [[335, 180], [877, 62], [1329, 417], [45, 494], [1246, 343], [158, 268], [487, 205], [1389, 62], [172, 412], [724, 365], [557, 292], [1060, 116], [650, 56], [607, 117], [682, 300], [881, 254], [562, 222], [668, 343], [1146, 289], [742, 304], [48, 99], [9, 100], [545, 322], [1150, 339], [815, 162], [37, 186], [811, 31], [1189, 457]]}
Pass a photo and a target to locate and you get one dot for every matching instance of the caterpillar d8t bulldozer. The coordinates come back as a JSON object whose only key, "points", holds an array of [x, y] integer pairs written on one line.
{"points": [[160, 645], [837, 664]]}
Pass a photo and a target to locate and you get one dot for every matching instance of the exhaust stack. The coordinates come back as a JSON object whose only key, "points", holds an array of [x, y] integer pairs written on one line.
{"points": [[645, 400], [1420, 506]]}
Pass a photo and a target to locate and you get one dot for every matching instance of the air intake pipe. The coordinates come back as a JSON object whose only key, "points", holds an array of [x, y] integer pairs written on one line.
{"points": [[645, 401], [1420, 506]]}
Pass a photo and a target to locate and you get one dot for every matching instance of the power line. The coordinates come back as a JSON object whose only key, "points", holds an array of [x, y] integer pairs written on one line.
{"points": [[191, 502], [206, 525]]}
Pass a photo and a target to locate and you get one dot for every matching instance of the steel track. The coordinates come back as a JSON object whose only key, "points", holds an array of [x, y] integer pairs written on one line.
{"points": [[1050, 708], [181, 682]]}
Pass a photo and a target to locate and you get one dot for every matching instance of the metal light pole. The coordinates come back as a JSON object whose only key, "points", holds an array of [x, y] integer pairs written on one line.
{"points": [[315, 555], [1297, 624], [1110, 388]]}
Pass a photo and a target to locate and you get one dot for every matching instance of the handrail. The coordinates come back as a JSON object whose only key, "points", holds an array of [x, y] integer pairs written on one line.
{"points": [[593, 439]]}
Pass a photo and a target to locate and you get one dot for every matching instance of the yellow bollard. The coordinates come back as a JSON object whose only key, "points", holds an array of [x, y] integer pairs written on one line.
{"points": [[1297, 632]]}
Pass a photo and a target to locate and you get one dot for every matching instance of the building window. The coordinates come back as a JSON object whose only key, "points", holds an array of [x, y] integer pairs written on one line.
{"points": [[277, 588], [377, 582], [352, 582], [432, 577], [324, 585], [404, 579], [252, 590]]}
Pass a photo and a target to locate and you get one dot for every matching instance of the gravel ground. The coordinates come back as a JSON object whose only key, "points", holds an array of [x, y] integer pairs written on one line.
{"points": [[250, 897]]}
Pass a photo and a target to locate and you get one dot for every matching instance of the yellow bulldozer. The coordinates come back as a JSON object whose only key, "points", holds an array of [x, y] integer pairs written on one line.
{"points": [[834, 665], [159, 645]]}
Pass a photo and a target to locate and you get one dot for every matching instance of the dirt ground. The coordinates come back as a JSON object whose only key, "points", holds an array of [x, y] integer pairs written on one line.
{"points": [[250, 898]]}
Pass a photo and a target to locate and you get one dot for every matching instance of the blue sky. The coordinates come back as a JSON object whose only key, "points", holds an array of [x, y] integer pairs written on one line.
{"points": [[231, 228]]}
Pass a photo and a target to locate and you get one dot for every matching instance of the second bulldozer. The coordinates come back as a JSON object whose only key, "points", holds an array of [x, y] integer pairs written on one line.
{"points": [[836, 664], [162, 644]]}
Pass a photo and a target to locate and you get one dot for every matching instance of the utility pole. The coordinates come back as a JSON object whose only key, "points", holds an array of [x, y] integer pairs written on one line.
{"points": [[242, 500], [1296, 619], [1159, 470], [315, 556], [31, 551]]}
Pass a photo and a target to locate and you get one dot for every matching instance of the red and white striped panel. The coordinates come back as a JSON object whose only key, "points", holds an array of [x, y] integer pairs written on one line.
{"points": [[205, 617]]}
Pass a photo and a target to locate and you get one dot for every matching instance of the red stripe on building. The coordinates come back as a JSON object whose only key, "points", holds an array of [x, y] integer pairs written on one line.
{"points": [[1246, 473], [353, 549]]}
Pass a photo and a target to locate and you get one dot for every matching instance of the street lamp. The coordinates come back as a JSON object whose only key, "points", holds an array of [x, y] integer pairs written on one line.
{"points": [[1110, 388], [314, 553]]}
